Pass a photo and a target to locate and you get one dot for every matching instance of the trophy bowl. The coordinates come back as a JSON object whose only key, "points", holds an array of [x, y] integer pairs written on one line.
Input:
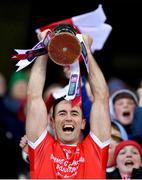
{"points": [[64, 48]]}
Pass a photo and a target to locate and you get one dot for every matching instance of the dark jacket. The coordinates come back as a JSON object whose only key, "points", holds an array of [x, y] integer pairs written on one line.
{"points": [[137, 126], [86, 107], [136, 174], [9, 117]]}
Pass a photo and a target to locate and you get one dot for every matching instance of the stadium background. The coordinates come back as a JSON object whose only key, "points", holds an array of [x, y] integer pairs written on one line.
{"points": [[121, 56]]}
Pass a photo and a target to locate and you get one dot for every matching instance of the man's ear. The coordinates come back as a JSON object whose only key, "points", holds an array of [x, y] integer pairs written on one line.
{"points": [[52, 121], [83, 123]]}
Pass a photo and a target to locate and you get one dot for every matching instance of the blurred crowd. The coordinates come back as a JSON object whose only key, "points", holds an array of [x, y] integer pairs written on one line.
{"points": [[12, 124], [125, 152]]}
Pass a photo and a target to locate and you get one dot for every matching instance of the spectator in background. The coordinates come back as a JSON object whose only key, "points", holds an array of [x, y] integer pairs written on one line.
{"points": [[8, 147], [137, 122], [51, 89], [128, 111], [122, 108], [13, 127], [128, 161], [6, 142], [3, 85], [118, 134], [18, 85], [115, 84], [11, 103]]}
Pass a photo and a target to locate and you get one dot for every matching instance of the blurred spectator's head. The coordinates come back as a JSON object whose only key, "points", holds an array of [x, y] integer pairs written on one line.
{"points": [[2, 84], [51, 89], [118, 134], [127, 156], [115, 84], [18, 85], [122, 106]]}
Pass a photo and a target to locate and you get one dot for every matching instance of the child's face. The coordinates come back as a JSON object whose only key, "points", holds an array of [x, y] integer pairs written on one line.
{"points": [[124, 110], [128, 158]]}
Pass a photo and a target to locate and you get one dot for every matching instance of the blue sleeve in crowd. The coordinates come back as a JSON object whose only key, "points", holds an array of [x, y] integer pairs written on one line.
{"points": [[86, 106], [11, 122], [11, 104], [137, 125]]}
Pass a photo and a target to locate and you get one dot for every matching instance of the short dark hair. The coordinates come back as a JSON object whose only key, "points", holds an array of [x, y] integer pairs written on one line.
{"points": [[57, 101]]}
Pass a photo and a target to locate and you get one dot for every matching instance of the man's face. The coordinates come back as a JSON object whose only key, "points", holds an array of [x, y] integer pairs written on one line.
{"points": [[124, 110], [68, 122], [128, 158]]}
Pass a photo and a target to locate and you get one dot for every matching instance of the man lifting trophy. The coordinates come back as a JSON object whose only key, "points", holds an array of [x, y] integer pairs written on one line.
{"points": [[68, 154]]}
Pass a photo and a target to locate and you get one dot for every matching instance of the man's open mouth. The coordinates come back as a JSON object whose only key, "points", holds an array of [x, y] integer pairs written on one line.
{"points": [[68, 128]]}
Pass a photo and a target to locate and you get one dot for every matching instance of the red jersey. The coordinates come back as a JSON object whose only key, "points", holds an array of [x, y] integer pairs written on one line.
{"points": [[51, 160]]}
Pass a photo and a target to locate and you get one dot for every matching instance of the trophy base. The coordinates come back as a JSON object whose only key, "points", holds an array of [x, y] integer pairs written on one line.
{"points": [[64, 49]]}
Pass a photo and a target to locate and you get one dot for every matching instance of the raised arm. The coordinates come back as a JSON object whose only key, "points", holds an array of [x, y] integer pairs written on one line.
{"points": [[36, 120], [99, 115]]}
